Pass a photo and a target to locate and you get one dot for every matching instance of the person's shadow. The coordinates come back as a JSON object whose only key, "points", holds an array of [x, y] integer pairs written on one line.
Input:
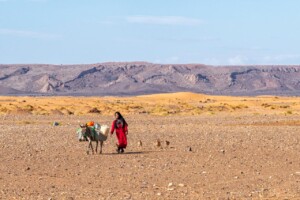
{"points": [[129, 153]]}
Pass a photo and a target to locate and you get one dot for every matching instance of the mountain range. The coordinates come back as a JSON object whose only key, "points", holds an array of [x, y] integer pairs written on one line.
{"points": [[137, 78]]}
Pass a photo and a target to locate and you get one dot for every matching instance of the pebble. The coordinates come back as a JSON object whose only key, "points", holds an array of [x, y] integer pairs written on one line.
{"points": [[181, 185], [158, 194]]}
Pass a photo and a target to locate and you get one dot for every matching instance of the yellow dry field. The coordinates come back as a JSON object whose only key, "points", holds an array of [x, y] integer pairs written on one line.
{"points": [[159, 104], [219, 148]]}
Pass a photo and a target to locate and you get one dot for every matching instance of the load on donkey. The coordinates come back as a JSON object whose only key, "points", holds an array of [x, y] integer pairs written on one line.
{"points": [[93, 132]]}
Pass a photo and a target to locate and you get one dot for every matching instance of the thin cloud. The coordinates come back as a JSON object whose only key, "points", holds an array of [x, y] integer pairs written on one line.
{"points": [[164, 20], [38, 1], [238, 60], [282, 58], [26, 0], [187, 39], [172, 59], [28, 34]]}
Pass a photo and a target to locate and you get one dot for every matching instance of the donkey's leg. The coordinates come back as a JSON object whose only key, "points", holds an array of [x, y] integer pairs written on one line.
{"points": [[89, 144], [97, 146], [101, 144]]}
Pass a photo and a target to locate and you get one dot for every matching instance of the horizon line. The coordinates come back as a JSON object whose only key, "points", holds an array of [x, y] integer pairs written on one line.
{"points": [[147, 62]]}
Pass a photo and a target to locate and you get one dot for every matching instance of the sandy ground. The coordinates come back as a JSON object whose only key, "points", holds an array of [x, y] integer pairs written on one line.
{"points": [[231, 157]]}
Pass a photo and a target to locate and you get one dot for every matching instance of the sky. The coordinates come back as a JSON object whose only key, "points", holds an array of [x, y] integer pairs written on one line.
{"points": [[214, 32]]}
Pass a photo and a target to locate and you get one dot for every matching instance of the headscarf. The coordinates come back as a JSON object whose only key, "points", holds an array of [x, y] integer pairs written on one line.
{"points": [[120, 120]]}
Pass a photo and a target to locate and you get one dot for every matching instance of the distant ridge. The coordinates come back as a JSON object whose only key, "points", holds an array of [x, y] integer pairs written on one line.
{"points": [[136, 78]]}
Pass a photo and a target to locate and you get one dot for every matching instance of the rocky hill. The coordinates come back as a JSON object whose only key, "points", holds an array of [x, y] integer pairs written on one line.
{"points": [[145, 78]]}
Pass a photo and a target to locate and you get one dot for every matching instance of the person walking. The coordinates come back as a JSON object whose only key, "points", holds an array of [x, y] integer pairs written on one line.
{"points": [[121, 127]]}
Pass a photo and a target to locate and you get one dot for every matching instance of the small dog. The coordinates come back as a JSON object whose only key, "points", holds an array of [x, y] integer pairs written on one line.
{"points": [[167, 143], [158, 143], [140, 144]]}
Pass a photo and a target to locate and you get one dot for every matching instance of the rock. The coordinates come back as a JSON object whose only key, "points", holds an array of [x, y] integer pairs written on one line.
{"points": [[55, 124], [170, 184], [158, 194], [297, 173], [181, 185]]}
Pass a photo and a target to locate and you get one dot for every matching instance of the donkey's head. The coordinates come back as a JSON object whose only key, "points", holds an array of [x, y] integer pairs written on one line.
{"points": [[83, 132]]}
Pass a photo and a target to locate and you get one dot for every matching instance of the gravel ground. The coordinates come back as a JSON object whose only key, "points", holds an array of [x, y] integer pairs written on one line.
{"points": [[209, 157]]}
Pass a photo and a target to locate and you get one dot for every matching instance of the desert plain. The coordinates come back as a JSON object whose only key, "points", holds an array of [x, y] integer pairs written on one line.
{"points": [[220, 148]]}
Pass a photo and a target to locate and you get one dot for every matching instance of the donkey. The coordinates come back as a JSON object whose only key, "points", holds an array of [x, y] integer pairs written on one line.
{"points": [[86, 133]]}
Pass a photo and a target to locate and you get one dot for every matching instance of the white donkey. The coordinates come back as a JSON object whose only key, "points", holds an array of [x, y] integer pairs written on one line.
{"points": [[96, 133]]}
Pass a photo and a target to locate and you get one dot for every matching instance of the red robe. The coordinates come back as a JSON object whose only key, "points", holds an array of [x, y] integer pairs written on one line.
{"points": [[121, 134]]}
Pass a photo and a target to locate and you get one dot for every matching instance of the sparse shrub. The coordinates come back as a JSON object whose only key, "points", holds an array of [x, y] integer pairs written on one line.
{"points": [[26, 122], [136, 107], [94, 110], [289, 112], [265, 105], [3, 109], [285, 106]]}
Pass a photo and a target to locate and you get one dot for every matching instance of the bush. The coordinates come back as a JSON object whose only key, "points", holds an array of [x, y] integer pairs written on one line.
{"points": [[289, 112], [94, 110]]}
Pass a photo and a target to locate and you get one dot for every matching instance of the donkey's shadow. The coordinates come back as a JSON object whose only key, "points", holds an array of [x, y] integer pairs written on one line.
{"points": [[129, 153]]}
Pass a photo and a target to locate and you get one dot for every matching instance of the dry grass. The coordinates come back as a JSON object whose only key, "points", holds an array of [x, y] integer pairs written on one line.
{"points": [[159, 104]]}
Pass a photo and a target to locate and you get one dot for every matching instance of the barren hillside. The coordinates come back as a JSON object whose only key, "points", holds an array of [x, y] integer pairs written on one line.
{"points": [[146, 78]]}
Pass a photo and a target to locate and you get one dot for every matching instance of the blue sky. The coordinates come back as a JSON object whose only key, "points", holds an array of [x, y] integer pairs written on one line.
{"points": [[218, 32]]}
